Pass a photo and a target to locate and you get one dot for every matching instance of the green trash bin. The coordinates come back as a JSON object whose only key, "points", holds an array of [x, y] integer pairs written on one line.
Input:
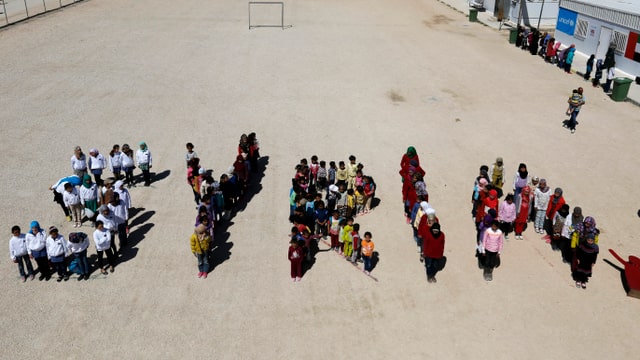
{"points": [[473, 15], [620, 89], [513, 36]]}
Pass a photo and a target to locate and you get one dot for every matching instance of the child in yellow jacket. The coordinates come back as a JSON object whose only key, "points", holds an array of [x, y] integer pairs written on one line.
{"points": [[200, 242], [347, 239]]}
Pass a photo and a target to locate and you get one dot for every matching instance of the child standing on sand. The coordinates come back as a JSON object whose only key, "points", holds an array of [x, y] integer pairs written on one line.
{"points": [[360, 200], [331, 173], [190, 153], [71, 199], [295, 257], [355, 240], [322, 176], [313, 171], [334, 230], [347, 240], [523, 212], [19, 253], [115, 161], [128, 165], [321, 218], [492, 243], [200, 242], [367, 252]]}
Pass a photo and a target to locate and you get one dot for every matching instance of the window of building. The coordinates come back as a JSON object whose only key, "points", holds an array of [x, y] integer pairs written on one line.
{"points": [[581, 29], [620, 40]]}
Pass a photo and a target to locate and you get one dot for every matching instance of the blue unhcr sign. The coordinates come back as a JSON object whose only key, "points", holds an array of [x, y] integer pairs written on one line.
{"points": [[566, 21]]}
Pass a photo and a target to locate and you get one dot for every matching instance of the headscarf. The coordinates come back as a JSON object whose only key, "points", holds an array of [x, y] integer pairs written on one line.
{"points": [[544, 188], [425, 206], [564, 211], [587, 228], [35, 224], [118, 184], [411, 152], [435, 226], [86, 181], [525, 173], [556, 199], [143, 145], [576, 216], [482, 183]]}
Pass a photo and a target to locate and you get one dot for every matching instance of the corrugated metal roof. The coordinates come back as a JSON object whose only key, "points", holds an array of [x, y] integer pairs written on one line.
{"points": [[628, 6]]}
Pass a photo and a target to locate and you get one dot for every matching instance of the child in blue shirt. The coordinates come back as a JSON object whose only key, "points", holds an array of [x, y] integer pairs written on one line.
{"points": [[321, 217]]}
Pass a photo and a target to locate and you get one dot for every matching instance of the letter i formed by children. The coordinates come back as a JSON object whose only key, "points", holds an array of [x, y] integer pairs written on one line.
{"points": [[295, 257]]}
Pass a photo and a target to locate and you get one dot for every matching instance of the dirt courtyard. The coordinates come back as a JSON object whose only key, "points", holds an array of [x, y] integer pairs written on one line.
{"points": [[367, 78]]}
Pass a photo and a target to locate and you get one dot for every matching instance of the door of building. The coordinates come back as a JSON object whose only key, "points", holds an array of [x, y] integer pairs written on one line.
{"points": [[603, 43]]}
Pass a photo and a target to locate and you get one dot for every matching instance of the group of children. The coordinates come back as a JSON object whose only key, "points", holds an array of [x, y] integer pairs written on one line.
{"points": [[344, 189], [50, 250], [421, 216], [216, 200], [324, 201], [531, 201], [105, 203]]}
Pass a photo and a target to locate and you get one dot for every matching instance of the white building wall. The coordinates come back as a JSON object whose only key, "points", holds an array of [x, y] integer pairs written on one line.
{"points": [[589, 43], [531, 12]]}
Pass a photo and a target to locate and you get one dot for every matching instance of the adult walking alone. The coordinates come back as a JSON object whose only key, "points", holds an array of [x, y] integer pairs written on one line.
{"points": [[576, 110]]}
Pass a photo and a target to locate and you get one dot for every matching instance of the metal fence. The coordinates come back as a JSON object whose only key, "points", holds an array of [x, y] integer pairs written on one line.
{"points": [[13, 11]]}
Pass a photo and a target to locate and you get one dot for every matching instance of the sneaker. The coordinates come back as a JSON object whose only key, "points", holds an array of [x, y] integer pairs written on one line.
{"points": [[59, 278], [80, 277], [23, 278], [204, 275], [573, 131], [41, 277], [200, 274], [489, 277], [506, 237], [298, 279], [584, 285], [66, 278], [578, 284]]}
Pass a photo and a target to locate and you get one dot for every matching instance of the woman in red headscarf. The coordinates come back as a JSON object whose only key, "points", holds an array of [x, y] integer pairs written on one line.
{"points": [[523, 211]]}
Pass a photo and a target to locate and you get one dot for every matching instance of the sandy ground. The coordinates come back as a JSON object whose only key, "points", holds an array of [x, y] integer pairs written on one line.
{"points": [[108, 72]]}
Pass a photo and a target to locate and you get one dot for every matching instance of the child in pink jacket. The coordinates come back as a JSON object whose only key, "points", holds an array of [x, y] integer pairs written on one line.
{"points": [[492, 243]]}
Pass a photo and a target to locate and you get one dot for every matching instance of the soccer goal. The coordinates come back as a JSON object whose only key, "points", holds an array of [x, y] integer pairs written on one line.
{"points": [[262, 13]]}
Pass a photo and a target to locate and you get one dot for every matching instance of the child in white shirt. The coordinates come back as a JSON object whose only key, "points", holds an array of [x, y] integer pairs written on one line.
{"points": [[19, 253], [71, 198]]}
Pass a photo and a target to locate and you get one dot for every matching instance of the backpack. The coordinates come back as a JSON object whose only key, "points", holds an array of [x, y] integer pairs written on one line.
{"points": [[74, 266]]}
